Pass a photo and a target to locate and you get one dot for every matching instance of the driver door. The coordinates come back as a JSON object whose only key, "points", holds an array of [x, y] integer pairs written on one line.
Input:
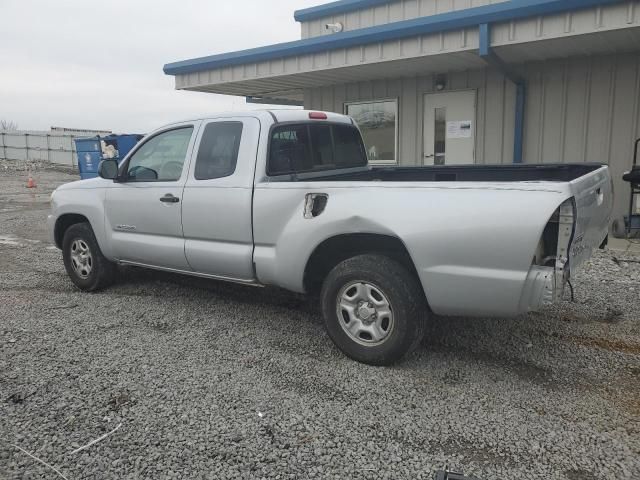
{"points": [[144, 208]]}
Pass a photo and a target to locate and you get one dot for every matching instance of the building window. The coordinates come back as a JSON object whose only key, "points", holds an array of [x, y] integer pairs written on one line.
{"points": [[378, 122]]}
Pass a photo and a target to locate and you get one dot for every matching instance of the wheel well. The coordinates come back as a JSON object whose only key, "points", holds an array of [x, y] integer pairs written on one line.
{"points": [[337, 249], [64, 222]]}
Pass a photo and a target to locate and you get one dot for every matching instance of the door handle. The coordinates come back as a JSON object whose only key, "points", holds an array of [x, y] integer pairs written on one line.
{"points": [[429, 156], [168, 198]]}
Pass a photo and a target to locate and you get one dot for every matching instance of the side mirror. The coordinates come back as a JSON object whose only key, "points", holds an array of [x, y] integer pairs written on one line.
{"points": [[108, 169]]}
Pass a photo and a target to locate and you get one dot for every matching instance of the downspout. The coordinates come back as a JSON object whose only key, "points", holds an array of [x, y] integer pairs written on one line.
{"points": [[518, 137], [490, 57]]}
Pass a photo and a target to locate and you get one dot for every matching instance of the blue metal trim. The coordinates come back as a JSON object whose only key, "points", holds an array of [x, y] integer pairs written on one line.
{"points": [[486, 52], [333, 8], [485, 40], [518, 140], [499, 12]]}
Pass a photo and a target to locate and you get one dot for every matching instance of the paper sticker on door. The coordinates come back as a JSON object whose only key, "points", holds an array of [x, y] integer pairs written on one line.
{"points": [[460, 129]]}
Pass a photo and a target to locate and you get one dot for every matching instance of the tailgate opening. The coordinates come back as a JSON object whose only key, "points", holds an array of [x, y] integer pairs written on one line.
{"points": [[551, 267]]}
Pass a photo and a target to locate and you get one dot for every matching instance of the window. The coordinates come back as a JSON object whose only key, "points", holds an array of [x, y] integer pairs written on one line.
{"points": [[303, 148], [322, 146], [440, 136], [378, 123], [218, 153], [290, 150], [160, 159]]}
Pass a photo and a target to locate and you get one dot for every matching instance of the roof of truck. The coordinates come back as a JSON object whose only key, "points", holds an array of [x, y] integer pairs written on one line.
{"points": [[278, 115]]}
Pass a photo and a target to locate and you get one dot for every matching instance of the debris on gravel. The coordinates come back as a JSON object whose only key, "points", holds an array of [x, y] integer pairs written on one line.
{"points": [[185, 378]]}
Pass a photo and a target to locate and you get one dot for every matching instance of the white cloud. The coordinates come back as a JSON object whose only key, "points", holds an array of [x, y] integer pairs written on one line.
{"points": [[96, 64]]}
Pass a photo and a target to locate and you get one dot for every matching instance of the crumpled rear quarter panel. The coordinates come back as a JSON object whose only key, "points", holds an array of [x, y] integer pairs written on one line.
{"points": [[472, 245]]}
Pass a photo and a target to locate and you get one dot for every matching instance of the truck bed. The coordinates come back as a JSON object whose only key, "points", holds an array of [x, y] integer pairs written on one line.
{"points": [[469, 173]]}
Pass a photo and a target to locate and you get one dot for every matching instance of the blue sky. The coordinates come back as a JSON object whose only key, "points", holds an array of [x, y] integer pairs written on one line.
{"points": [[98, 64]]}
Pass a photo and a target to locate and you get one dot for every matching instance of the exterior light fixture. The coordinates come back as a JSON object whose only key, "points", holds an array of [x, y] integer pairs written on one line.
{"points": [[441, 82]]}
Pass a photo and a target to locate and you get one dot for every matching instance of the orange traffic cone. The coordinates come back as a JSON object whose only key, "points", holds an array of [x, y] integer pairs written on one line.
{"points": [[31, 183]]}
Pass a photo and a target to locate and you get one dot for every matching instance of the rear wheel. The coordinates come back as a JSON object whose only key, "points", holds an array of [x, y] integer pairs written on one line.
{"points": [[87, 267], [374, 309], [619, 228]]}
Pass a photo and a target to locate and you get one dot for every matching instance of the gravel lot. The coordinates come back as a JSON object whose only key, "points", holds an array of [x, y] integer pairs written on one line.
{"points": [[209, 380]]}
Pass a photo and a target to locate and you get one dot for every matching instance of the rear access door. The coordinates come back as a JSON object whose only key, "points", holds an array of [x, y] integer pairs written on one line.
{"points": [[449, 128], [217, 199]]}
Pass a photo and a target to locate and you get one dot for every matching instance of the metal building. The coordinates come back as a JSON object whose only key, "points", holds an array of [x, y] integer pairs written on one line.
{"points": [[456, 81]]}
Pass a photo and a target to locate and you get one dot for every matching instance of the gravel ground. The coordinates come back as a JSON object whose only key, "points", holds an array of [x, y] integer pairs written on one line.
{"points": [[210, 380]]}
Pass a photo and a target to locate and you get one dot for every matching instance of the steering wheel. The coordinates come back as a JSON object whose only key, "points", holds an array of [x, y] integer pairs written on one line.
{"points": [[171, 170], [141, 173]]}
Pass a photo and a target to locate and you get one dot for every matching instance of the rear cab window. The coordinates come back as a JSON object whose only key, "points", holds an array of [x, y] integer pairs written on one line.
{"points": [[313, 147]]}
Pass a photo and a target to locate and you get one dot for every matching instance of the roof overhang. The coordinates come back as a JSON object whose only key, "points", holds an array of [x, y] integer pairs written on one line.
{"points": [[522, 30]]}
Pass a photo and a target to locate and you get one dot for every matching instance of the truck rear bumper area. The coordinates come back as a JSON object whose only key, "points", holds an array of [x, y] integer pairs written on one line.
{"points": [[541, 288]]}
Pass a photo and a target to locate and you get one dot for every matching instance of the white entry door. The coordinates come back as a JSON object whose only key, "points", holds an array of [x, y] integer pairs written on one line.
{"points": [[450, 128]]}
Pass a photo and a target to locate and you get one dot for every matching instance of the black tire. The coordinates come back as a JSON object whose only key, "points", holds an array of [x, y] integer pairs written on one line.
{"points": [[405, 298], [102, 272], [619, 228]]}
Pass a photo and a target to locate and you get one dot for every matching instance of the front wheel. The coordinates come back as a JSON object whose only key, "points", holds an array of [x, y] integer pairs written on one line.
{"points": [[374, 309], [87, 267]]}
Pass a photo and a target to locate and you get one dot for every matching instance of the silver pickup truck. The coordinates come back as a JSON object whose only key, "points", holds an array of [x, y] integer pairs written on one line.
{"points": [[287, 198]]}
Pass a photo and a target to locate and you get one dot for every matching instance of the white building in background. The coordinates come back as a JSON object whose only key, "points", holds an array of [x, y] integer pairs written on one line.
{"points": [[456, 81]]}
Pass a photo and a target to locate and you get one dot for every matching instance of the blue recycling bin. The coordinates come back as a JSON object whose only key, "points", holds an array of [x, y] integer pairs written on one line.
{"points": [[124, 143], [89, 151], [89, 156]]}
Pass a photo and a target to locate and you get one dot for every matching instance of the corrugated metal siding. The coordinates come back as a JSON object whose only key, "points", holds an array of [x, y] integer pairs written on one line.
{"points": [[391, 12], [495, 109], [578, 110], [321, 65], [593, 31], [585, 110]]}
